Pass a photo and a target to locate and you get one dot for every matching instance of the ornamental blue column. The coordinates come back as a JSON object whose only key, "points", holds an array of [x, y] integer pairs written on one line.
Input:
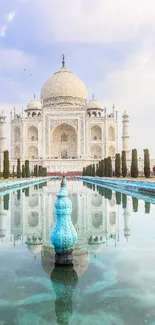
{"points": [[64, 235]]}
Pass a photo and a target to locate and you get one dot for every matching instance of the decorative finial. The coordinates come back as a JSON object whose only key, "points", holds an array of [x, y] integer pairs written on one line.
{"points": [[93, 97], [34, 96], [63, 61]]}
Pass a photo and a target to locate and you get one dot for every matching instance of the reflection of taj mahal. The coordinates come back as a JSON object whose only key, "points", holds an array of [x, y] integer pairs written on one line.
{"points": [[95, 218], [65, 131]]}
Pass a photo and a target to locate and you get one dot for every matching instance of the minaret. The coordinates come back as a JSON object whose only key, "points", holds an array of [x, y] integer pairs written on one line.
{"points": [[2, 138], [125, 135]]}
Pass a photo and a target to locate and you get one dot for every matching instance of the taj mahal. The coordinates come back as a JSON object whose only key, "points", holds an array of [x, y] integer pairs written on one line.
{"points": [[64, 130]]}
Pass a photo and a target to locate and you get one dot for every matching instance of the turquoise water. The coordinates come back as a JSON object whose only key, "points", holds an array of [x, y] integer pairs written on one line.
{"points": [[113, 279]]}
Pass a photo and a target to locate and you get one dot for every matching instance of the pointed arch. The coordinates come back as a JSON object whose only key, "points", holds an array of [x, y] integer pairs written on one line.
{"points": [[96, 133]]}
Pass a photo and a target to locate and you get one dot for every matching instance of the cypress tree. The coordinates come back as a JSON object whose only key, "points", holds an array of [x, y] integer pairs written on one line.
{"points": [[27, 170], [37, 171], [13, 171], [27, 191], [101, 190], [106, 167], [134, 164], [40, 171], [124, 165], [124, 201], [102, 168], [108, 194], [18, 169], [147, 207], [146, 163], [109, 163], [118, 198], [117, 165], [97, 171], [6, 198], [134, 204], [99, 168], [6, 164], [18, 195], [93, 170], [23, 171]]}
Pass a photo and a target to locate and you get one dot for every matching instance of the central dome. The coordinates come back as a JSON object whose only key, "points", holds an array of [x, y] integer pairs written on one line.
{"points": [[64, 87]]}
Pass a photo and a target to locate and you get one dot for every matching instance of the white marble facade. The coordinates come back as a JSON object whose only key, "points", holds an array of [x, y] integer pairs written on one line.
{"points": [[64, 131]]}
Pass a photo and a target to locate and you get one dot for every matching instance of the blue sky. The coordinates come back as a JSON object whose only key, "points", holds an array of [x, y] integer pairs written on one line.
{"points": [[109, 44]]}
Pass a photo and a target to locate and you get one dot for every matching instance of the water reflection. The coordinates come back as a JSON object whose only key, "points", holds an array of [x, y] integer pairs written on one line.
{"points": [[64, 281], [120, 278], [95, 215]]}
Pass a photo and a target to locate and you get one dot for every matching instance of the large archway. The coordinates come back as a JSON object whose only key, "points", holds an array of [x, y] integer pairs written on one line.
{"points": [[32, 133], [32, 152], [64, 142]]}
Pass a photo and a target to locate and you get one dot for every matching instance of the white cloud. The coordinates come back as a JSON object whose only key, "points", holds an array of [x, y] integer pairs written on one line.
{"points": [[15, 59], [10, 16], [3, 30], [84, 21]]}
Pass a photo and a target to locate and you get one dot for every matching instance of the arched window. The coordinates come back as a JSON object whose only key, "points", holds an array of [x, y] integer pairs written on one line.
{"points": [[64, 138], [94, 114], [96, 133], [32, 133]]}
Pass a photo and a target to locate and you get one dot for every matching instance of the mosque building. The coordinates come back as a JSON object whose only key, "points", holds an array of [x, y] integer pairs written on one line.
{"points": [[64, 130]]}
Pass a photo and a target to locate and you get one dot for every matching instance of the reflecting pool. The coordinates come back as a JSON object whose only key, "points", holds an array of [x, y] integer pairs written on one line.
{"points": [[113, 278]]}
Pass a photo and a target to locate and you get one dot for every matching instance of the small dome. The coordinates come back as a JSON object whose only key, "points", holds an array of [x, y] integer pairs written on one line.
{"points": [[34, 249], [34, 245], [94, 104], [64, 85], [96, 248], [34, 104]]}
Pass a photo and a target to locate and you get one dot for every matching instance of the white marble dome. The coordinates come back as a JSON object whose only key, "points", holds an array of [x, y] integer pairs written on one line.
{"points": [[94, 104], [64, 84], [34, 104]]}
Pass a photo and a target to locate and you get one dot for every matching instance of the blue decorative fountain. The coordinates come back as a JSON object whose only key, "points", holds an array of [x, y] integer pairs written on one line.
{"points": [[64, 235]]}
